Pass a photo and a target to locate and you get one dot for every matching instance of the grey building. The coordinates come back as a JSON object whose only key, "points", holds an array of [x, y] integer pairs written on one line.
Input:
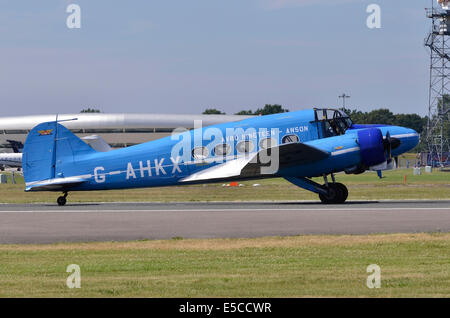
{"points": [[118, 130]]}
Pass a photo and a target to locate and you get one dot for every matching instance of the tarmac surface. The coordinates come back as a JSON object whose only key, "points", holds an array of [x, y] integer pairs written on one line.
{"points": [[49, 223]]}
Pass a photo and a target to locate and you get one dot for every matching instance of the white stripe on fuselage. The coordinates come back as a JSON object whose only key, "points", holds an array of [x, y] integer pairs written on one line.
{"points": [[406, 135], [340, 152]]}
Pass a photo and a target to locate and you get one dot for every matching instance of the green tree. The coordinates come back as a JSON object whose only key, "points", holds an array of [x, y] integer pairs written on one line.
{"points": [[381, 116], [244, 112], [90, 110], [412, 121], [212, 111], [357, 116], [385, 116], [268, 109], [271, 109]]}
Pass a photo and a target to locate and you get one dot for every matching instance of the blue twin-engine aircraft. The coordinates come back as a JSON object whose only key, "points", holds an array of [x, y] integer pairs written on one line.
{"points": [[296, 146]]}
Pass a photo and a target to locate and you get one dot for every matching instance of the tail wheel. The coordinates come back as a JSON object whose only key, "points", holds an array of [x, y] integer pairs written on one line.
{"points": [[337, 193], [62, 199]]}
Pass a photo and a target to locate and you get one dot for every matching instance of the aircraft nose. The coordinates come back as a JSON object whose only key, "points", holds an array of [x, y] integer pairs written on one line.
{"points": [[409, 138], [415, 139]]}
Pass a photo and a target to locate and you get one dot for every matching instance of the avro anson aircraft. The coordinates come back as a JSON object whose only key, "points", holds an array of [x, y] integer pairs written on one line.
{"points": [[296, 146]]}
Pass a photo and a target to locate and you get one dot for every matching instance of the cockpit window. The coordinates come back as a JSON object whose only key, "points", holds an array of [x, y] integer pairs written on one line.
{"points": [[332, 122]]}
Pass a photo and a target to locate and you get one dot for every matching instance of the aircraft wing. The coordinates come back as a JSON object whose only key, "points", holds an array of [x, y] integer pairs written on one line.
{"points": [[56, 184], [289, 155]]}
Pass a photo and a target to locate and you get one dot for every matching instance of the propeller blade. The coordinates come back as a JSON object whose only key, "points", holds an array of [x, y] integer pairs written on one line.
{"points": [[395, 143], [390, 143], [387, 146]]}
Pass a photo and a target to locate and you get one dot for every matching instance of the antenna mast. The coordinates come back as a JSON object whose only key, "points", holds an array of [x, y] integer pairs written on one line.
{"points": [[438, 41]]}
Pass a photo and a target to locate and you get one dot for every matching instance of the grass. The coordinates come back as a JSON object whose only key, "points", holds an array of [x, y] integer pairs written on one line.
{"points": [[412, 265], [366, 186]]}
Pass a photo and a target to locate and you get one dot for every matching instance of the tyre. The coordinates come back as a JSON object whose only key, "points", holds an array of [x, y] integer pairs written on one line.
{"points": [[344, 192], [61, 201], [334, 196]]}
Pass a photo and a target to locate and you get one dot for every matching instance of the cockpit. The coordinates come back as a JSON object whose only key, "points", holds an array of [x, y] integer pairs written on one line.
{"points": [[331, 122]]}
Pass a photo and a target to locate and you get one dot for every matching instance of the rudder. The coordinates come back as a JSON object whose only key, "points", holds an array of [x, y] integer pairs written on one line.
{"points": [[49, 148]]}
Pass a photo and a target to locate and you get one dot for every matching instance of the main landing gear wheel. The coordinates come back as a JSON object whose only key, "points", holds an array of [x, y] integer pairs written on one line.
{"points": [[62, 199], [337, 194], [344, 191]]}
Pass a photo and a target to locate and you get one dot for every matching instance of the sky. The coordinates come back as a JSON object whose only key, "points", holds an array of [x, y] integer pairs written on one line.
{"points": [[180, 56]]}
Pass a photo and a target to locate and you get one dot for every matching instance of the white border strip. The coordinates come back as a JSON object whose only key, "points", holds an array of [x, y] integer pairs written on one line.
{"points": [[57, 210]]}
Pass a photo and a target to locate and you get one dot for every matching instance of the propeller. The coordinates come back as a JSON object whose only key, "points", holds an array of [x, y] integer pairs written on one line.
{"points": [[390, 143]]}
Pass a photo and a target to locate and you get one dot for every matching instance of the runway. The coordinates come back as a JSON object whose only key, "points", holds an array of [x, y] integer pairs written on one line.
{"points": [[41, 223]]}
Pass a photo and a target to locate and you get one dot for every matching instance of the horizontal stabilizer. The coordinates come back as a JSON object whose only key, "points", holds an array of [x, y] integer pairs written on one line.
{"points": [[57, 184]]}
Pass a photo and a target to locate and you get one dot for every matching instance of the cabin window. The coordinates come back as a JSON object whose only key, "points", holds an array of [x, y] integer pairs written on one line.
{"points": [[200, 153], [290, 139], [222, 150], [267, 143], [245, 146]]}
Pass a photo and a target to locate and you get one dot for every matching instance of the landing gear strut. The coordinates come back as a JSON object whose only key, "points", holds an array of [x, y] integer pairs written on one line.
{"points": [[329, 193], [337, 193], [62, 199]]}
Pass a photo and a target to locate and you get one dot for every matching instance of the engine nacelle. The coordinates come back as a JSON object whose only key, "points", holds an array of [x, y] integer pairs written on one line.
{"points": [[371, 146]]}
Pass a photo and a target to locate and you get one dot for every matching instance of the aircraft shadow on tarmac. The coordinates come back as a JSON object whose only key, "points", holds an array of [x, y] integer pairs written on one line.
{"points": [[242, 204], [74, 204], [320, 203], [247, 203]]}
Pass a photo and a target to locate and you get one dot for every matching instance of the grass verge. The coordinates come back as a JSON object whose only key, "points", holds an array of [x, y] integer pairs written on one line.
{"points": [[361, 187], [412, 265]]}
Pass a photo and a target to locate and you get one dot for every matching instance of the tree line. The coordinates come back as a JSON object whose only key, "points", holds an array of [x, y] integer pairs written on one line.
{"points": [[268, 109], [386, 117], [377, 116]]}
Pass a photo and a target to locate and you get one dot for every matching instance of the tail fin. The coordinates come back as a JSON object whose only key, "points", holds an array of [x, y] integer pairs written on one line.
{"points": [[49, 151]]}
